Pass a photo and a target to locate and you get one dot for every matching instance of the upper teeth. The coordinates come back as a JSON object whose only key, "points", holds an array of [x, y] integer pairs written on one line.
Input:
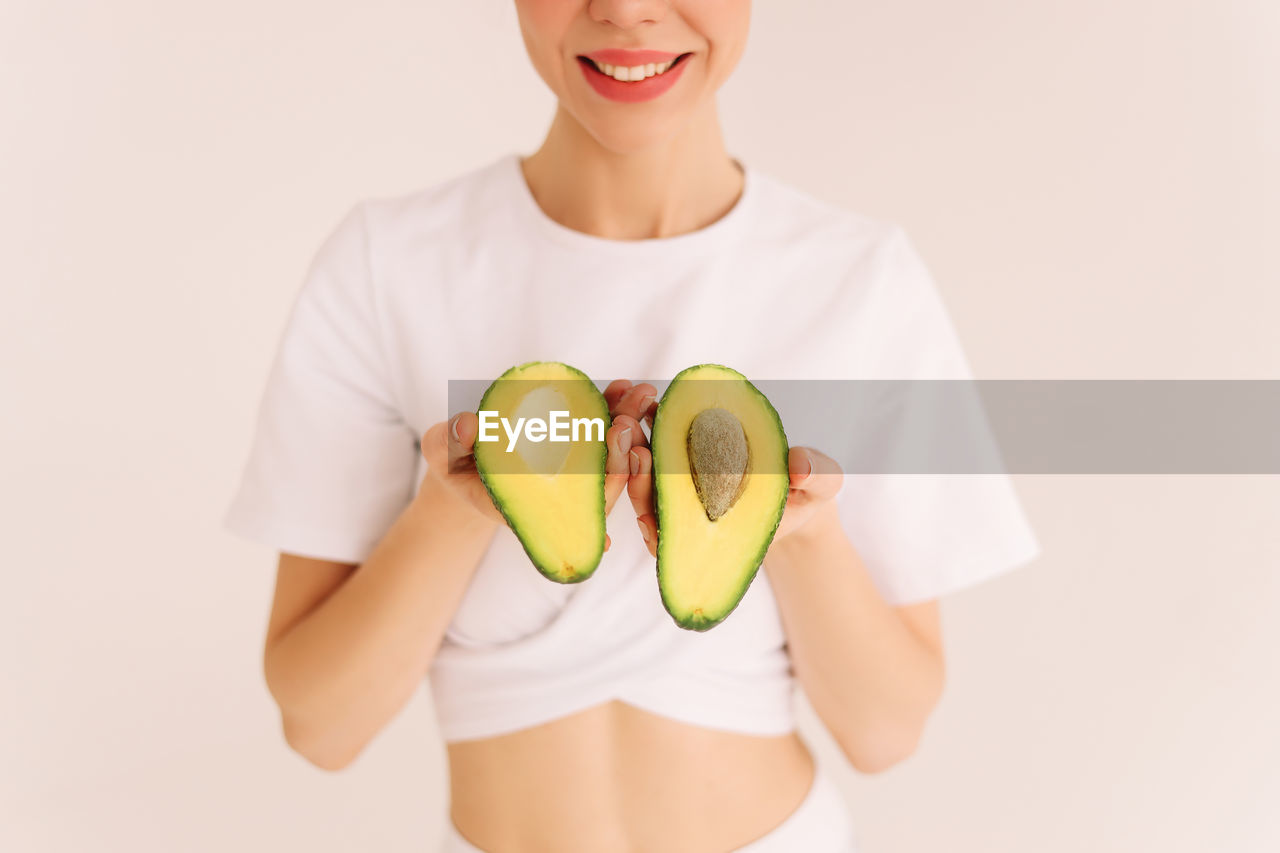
{"points": [[635, 72]]}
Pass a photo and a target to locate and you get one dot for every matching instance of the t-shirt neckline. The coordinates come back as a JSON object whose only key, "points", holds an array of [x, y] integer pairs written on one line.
{"points": [[691, 241]]}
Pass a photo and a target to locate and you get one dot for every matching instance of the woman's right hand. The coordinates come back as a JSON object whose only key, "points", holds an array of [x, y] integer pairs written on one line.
{"points": [[449, 449]]}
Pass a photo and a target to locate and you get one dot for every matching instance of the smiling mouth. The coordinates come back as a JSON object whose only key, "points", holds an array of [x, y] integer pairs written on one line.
{"points": [[634, 73]]}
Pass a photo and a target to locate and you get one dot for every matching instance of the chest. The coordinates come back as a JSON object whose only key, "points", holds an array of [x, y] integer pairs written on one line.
{"points": [[471, 316]]}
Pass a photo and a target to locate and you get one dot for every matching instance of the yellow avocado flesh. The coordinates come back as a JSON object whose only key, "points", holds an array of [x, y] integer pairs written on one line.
{"points": [[705, 566], [551, 493]]}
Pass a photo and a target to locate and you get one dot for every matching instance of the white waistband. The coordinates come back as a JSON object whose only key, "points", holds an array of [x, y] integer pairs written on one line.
{"points": [[820, 824]]}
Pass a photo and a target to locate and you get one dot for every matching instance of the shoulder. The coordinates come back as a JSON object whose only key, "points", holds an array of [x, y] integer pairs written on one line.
{"points": [[800, 217], [442, 210], [859, 250], [381, 242]]}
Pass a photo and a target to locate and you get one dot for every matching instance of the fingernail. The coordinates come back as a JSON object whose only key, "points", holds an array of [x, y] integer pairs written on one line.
{"points": [[453, 428], [634, 458], [624, 440], [808, 473], [644, 531]]}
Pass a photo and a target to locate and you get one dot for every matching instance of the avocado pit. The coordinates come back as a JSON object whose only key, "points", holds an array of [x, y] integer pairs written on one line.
{"points": [[718, 459]]}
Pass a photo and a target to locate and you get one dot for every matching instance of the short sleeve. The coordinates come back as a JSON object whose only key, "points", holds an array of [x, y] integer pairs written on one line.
{"points": [[923, 535], [332, 460]]}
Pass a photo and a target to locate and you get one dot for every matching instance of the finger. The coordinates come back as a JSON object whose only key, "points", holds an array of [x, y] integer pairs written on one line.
{"points": [[622, 436], [617, 468], [607, 541], [638, 436], [649, 531], [625, 422], [614, 392], [649, 408], [636, 401], [463, 429], [814, 473], [640, 486]]}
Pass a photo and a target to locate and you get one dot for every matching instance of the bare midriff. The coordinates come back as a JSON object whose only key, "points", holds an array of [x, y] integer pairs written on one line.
{"points": [[616, 779]]}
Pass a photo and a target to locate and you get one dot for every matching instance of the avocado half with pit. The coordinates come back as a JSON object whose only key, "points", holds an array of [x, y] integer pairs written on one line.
{"points": [[550, 492], [720, 486]]}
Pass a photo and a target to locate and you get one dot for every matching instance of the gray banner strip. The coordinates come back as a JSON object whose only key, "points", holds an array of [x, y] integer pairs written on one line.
{"points": [[995, 426]]}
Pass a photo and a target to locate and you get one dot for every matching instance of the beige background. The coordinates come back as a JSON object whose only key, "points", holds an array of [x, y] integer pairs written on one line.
{"points": [[1093, 183]]}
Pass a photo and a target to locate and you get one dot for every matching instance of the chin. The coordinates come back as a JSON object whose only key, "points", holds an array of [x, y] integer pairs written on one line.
{"points": [[630, 128]]}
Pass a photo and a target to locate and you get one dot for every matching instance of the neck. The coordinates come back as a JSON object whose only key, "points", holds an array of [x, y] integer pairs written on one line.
{"points": [[678, 186]]}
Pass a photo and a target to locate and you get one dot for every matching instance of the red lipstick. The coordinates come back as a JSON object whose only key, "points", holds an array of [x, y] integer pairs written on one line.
{"points": [[632, 91]]}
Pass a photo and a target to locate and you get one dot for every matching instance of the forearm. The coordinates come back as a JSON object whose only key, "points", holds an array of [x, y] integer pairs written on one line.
{"points": [[870, 677], [351, 664]]}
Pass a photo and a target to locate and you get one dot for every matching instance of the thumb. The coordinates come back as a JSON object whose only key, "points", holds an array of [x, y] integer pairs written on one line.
{"points": [[814, 473], [461, 433]]}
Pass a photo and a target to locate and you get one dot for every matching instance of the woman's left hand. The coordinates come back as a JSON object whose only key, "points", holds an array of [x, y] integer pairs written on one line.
{"points": [[815, 480]]}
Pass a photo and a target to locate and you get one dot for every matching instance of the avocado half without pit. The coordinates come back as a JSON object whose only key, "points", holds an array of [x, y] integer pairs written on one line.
{"points": [[550, 492], [720, 486]]}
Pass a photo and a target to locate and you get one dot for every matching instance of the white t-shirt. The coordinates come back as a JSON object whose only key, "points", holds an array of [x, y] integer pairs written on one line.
{"points": [[466, 278]]}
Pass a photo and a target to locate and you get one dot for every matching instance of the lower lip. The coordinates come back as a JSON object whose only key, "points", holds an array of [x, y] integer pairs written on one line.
{"points": [[632, 93]]}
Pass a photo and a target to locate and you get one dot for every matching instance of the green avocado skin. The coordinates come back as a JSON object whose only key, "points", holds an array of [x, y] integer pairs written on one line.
{"points": [[705, 621], [522, 534]]}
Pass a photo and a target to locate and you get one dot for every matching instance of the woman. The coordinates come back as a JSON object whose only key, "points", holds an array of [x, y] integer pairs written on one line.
{"points": [[630, 244]]}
